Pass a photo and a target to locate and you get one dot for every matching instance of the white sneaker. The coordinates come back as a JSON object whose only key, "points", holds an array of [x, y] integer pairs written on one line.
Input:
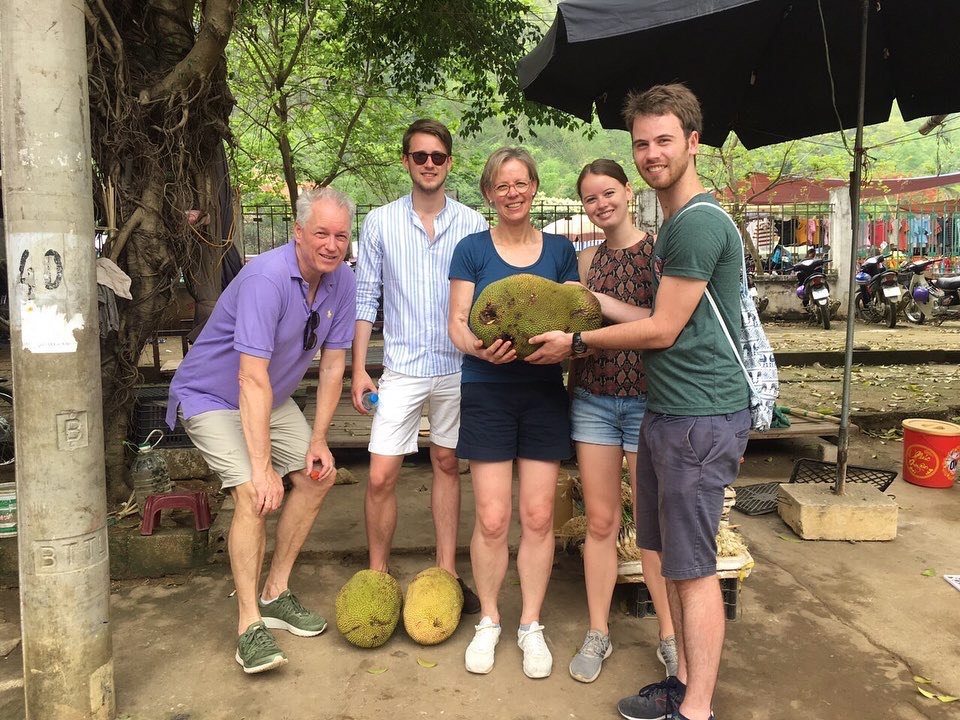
{"points": [[537, 660], [480, 652]]}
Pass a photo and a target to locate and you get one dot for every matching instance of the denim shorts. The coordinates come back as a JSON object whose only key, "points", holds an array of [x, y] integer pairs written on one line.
{"points": [[606, 419], [683, 465]]}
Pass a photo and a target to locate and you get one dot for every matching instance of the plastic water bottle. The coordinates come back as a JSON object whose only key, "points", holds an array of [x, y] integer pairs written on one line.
{"points": [[369, 401], [148, 472]]}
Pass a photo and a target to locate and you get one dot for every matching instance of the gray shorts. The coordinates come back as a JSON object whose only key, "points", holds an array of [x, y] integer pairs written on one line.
{"points": [[218, 435], [683, 465]]}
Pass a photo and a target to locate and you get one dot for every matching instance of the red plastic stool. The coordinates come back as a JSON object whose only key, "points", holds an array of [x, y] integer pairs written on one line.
{"points": [[196, 502]]}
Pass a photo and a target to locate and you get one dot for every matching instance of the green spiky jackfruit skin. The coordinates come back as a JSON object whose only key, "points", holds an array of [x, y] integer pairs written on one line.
{"points": [[519, 307], [431, 609], [368, 608]]}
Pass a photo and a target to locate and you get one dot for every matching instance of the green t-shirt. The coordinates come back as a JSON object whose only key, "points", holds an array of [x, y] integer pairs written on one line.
{"points": [[699, 374]]}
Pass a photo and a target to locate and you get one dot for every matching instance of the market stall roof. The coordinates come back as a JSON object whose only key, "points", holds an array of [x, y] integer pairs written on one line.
{"points": [[801, 190]]}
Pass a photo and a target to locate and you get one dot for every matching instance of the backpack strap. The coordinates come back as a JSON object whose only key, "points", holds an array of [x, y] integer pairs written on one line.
{"points": [[743, 281]]}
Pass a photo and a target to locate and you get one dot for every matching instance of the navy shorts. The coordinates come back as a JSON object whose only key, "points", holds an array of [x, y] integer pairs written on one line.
{"points": [[683, 465], [503, 421]]}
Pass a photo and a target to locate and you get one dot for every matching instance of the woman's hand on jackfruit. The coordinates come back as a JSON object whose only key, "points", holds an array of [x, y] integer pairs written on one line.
{"points": [[500, 351]]}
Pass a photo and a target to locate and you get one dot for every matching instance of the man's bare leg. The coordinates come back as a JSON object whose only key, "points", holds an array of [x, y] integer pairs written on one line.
{"points": [[445, 505], [703, 627], [380, 508], [300, 508], [246, 543]]}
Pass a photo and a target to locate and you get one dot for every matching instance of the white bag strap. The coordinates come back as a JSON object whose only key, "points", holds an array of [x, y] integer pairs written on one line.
{"points": [[726, 333], [743, 280]]}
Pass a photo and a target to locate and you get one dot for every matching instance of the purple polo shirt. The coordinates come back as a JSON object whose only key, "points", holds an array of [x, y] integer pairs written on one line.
{"points": [[263, 312]]}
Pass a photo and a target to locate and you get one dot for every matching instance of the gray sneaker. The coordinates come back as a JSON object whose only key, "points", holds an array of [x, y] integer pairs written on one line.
{"points": [[586, 664], [667, 654]]}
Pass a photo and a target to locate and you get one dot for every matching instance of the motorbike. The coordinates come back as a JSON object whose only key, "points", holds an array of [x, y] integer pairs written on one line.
{"points": [[937, 300], [878, 292], [759, 302], [813, 289]]}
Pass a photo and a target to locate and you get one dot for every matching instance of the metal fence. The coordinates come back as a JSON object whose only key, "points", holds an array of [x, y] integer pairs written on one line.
{"points": [[798, 226], [268, 226]]}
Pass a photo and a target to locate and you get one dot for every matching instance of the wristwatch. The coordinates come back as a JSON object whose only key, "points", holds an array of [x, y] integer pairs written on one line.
{"points": [[578, 346]]}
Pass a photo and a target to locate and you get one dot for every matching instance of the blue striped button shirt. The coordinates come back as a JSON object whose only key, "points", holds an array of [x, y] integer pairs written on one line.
{"points": [[396, 254]]}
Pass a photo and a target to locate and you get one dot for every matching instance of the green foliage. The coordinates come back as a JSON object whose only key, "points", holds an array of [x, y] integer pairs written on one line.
{"points": [[325, 89]]}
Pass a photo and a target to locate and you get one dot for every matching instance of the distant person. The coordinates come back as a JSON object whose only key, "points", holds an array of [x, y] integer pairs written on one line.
{"points": [[405, 251], [609, 399], [510, 410], [698, 420], [233, 390]]}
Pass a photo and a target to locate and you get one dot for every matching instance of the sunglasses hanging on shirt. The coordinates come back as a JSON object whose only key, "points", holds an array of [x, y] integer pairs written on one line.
{"points": [[310, 330]]}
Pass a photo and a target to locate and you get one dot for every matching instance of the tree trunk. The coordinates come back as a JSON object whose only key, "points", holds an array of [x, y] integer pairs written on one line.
{"points": [[159, 110]]}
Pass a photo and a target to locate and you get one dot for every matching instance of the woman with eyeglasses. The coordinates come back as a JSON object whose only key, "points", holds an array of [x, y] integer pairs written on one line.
{"points": [[609, 399], [510, 410]]}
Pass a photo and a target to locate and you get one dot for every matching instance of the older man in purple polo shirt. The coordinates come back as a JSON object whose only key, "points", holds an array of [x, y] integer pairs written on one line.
{"points": [[234, 390]]}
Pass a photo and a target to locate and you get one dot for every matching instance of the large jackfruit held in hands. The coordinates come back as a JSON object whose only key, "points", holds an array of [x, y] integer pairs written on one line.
{"points": [[368, 608], [431, 610], [521, 306]]}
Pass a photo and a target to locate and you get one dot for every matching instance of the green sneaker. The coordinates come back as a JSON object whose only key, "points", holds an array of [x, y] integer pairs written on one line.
{"points": [[257, 651], [286, 613]]}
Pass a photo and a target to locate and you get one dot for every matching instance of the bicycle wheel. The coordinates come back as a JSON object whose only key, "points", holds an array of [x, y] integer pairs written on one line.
{"points": [[6, 428]]}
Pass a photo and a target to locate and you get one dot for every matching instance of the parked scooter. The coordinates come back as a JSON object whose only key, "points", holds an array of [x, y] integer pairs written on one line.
{"points": [[813, 289], [878, 292], [760, 302], [936, 300]]}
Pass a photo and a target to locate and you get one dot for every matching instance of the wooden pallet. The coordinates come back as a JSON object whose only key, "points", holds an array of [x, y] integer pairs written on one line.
{"points": [[802, 426]]}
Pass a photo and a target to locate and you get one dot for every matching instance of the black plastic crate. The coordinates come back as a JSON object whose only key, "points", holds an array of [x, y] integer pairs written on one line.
{"points": [[150, 413], [640, 604], [806, 470], [758, 499]]}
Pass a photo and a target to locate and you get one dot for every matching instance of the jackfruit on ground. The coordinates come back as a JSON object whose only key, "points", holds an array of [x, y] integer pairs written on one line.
{"points": [[368, 608], [519, 307], [431, 610]]}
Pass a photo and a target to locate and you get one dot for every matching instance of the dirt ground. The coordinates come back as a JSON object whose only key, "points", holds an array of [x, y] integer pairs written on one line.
{"points": [[826, 630]]}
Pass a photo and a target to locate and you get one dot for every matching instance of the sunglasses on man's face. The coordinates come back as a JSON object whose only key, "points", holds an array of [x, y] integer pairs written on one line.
{"points": [[310, 330], [420, 157]]}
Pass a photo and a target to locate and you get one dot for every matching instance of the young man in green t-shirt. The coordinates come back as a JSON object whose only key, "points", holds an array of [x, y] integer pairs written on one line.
{"points": [[698, 418]]}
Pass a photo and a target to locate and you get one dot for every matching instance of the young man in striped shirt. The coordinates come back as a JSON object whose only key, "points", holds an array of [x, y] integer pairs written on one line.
{"points": [[405, 250]]}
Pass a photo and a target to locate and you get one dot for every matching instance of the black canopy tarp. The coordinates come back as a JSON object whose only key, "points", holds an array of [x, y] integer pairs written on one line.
{"points": [[769, 70]]}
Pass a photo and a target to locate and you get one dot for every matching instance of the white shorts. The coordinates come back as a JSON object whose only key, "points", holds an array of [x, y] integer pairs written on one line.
{"points": [[218, 435], [396, 423]]}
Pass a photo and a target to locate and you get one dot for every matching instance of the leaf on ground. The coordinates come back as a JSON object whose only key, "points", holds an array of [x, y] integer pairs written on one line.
{"points": [[426, 663], [376, 671], [937, 696], [788, 538], [919, 679], [929, 572]]}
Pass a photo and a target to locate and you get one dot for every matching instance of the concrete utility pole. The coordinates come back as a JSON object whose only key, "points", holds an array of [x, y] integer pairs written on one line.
{"points": [[61, 487]]}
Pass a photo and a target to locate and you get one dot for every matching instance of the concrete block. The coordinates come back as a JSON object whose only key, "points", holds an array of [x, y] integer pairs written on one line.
{"points": [[184, 463], [814, 512], [167, 551]]}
